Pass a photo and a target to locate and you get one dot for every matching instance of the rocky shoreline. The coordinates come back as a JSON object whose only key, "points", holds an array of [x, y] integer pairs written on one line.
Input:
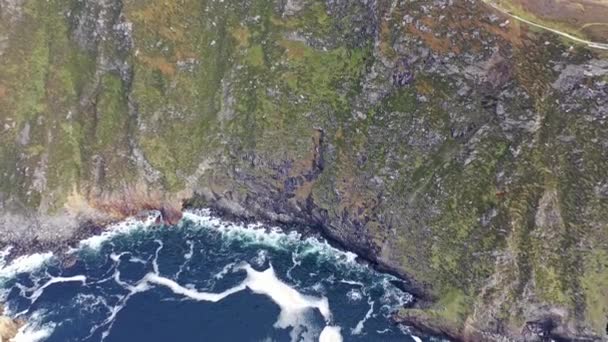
{"points": [[226, 212], [221, 209], [8, 326]]}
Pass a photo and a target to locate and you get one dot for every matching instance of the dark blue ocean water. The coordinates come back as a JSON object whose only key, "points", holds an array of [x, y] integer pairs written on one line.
{"points": [[202, 280]]}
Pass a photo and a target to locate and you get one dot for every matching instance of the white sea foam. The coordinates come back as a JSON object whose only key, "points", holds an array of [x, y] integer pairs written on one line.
{"points": [[56, 280], [91, 301], [330, 334], [275, 238], [116, 257], [393, 297], [154, 278], [351, 257], [109, 322], [294, 306], [113, 311], [260, 258], [352, 282], [121, 228], [406, 330], [296, 262], [25, 264], [155, 260], [354, 295], [33, 331], [256, 233], [359, 327], [187, 256], [224, 271], [291, 302], [190, 253], [318, 287], [30, 334], [138, 260]]}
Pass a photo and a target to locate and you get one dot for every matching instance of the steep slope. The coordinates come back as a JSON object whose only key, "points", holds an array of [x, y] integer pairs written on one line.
{"points": [[448, 145]]}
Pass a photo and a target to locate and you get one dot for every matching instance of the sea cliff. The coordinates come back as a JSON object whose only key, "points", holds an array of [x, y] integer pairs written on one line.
{"points": [[444, 141]]}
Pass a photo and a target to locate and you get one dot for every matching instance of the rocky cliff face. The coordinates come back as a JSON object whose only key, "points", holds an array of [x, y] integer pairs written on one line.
{"points": [[448, 144]]}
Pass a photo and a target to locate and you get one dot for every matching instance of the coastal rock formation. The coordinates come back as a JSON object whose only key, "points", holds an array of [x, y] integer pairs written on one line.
{"points": [[441, 140], [8, 327]]}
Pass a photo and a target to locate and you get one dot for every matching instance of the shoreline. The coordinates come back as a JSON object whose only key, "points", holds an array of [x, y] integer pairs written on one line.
{"points": [[91, 229]]}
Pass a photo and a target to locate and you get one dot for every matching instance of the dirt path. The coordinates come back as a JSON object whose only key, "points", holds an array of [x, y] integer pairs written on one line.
{"points": [[595, 45]]}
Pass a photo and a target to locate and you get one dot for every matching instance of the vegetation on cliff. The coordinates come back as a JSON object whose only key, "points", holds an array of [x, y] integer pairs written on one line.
{"points": [[463, 152]]}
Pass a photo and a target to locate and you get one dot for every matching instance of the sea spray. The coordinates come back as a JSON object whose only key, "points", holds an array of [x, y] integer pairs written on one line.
{"points": [[24, 264]]}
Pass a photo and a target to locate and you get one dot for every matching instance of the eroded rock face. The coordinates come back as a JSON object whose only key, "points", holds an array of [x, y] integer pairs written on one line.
{"points": [[437, 139]]}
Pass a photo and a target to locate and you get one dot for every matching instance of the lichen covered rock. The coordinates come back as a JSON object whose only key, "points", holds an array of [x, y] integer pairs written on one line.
{"points": [[462, 151]]}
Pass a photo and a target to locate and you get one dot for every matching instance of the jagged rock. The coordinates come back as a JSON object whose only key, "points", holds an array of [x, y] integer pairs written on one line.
{"points": [[293, 6], [573, 75]]}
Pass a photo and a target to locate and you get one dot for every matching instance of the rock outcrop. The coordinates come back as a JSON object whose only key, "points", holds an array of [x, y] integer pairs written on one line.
{"points": [[8, 327]]}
